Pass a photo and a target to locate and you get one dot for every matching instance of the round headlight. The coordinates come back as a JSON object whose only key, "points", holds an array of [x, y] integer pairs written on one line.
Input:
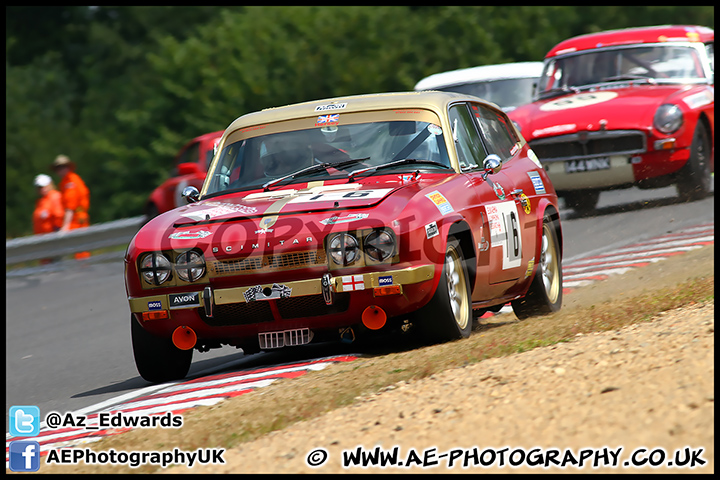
{"points": [[379, 245], [155, 268], [668, 118], [190, 266], [344, 249]]}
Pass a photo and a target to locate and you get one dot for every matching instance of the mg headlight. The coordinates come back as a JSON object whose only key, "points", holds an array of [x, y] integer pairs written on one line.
{"points": [[190, 266], [379, 245], [155, 268], [668, 118], [344, 249]]}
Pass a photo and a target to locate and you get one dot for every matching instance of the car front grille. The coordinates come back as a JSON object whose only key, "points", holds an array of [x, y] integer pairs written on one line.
{"points": [[589, 145], [268, 263], [238, 314], [288, 308]]}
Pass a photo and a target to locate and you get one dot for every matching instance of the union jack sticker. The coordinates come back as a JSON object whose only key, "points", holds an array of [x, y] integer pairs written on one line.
{"points": [[328, 119]]}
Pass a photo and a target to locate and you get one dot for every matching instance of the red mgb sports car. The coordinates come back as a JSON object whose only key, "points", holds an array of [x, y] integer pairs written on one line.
{"points": [[632, 107], [343, 217]]}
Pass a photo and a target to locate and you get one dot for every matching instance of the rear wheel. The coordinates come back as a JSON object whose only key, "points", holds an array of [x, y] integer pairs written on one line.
{"points": [[694, 178], [448, 315], [156, 358], [545, 293]]}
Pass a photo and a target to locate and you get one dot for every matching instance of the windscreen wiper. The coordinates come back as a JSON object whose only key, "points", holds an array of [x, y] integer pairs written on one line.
{"points": [[404, 161], [557, 91], [313, 169]]}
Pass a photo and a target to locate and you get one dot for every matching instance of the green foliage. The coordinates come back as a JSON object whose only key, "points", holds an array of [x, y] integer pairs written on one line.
{"points": [[121, 89]]}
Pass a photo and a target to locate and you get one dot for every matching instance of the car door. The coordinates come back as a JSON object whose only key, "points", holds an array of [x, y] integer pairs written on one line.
{"points": [[497, 222]]}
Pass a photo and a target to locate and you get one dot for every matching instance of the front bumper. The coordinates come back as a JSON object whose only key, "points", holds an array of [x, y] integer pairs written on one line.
{"points": [[208, 302]]}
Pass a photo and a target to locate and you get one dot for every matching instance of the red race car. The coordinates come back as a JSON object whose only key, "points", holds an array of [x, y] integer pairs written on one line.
{"points": [[191, 165], [339, 218], [622, 108]]}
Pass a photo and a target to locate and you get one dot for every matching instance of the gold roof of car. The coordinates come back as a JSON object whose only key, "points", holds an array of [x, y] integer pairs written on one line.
{"points": [[431, 100]]}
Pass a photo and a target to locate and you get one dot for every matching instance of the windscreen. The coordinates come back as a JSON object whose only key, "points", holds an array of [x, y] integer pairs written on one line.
{"points": [[662, 63], [255, 156]]}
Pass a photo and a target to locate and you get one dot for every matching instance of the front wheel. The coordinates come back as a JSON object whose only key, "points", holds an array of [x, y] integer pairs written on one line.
{"points": [[694, 177], [545, 293], [448, 315], [156, 358]]}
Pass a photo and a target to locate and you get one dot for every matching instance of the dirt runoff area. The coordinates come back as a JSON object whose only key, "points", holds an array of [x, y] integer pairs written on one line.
{"points": [[635, 400]]}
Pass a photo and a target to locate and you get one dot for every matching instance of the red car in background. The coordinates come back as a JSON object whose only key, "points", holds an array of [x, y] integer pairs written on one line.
{"points": [[622, 108], [191, 165]]}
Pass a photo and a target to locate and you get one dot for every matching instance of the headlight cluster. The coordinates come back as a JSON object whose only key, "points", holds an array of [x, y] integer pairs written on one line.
{"points": [[156, 268], [668, 118], [345, 248]]}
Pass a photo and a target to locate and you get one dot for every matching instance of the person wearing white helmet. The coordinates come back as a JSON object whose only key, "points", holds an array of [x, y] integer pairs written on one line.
{"points": [[49, 213]]}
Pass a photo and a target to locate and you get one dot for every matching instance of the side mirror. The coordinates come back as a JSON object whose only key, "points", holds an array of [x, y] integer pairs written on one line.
{"points": [[491, 164], [188, 168], [190, 194]]}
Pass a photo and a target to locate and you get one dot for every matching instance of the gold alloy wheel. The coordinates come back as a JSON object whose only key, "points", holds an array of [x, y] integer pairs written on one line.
{"points": [[457, 287], [549, 264]]}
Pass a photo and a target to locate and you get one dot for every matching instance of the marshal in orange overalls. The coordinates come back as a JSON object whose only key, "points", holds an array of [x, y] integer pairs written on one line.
{"points": [[75, 197], [49, 213]]}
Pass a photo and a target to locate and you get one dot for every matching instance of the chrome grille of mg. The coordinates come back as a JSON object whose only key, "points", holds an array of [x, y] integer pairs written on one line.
{"points": [[583, 145]]}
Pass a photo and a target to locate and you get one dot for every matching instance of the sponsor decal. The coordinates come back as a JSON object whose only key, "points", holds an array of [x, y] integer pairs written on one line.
{"points": [[386, 280], [334, 220], [499, 190], [352, 282], [440, 202], [257, 292], [216, 209], [330, 107], [189, 235], [327, 119], [431, 230], [184, 300], [537, 182], [156, 305], [530, 266], [577, 101], [434, 129], [525, 202]]}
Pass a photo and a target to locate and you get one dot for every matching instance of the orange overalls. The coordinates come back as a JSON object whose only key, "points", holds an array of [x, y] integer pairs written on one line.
{"points": [[49, 213], [76, 197]]}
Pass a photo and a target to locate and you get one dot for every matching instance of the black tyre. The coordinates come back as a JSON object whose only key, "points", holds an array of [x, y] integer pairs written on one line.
{"points": [[157, 359], [448, 315], [582, 201], [545, 293], [694, 177]]}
